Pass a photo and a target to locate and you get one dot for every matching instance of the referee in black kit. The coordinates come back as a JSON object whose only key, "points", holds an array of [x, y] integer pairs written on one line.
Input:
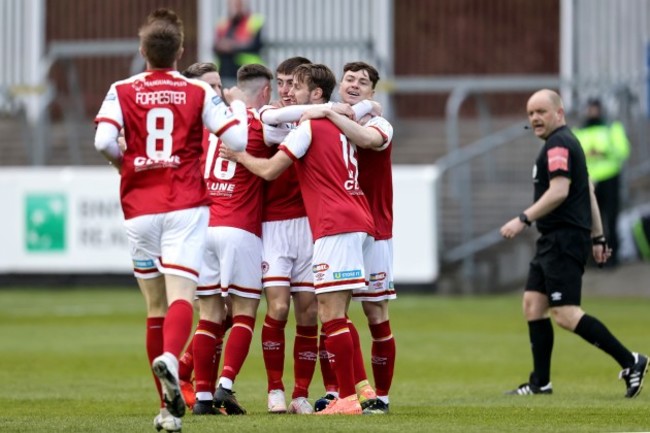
{"points": [[567, 216]]}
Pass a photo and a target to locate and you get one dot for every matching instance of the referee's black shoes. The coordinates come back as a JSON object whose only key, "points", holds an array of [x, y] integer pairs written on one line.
{"points": [[634, 375], [531, 389]]}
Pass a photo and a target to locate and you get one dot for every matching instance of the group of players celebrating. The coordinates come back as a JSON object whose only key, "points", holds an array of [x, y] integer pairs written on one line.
{"points": [[227, 196]]}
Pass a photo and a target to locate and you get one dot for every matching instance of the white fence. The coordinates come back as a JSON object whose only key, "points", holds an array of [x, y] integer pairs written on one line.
{"points": [[22, 42]]}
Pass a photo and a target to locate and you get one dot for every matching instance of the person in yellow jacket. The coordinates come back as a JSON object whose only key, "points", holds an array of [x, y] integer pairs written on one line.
{"points": [[606, 148], [238, 40]]}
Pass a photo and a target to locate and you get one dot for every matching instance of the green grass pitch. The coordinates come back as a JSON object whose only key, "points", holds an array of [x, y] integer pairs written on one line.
{"points": [[74, 361]]}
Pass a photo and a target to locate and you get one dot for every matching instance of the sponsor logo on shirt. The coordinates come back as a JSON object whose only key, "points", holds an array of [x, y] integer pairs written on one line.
{"points": [[556, 296], [110, 97], [174, 83], [321, 267], [378, 276], [143, 163], [216, 100], [344, 275]]}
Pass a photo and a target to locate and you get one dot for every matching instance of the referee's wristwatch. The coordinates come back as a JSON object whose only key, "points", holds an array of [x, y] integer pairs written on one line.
{"points": [[524, 219]]}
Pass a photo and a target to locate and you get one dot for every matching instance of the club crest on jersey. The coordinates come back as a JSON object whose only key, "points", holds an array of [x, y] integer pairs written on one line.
{"points": [[265, 267], [138, 85]]}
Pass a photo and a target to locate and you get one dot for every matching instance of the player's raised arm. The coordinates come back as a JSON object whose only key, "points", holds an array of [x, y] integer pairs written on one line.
{"points": [[230, 124]]}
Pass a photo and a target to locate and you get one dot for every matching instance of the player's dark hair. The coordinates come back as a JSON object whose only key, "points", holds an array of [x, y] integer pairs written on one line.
{"points": [[197, 70], [288, 66], [253, 71], [373, 74], [316, 75], [161, 38]]}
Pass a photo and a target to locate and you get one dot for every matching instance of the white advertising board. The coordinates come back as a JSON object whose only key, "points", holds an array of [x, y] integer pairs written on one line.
{"points": [[69, 220], [62, 220]]}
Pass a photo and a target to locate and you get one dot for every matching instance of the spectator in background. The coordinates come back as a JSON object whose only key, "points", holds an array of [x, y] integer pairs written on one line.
{"points": [[606, 148], [238, 40]]}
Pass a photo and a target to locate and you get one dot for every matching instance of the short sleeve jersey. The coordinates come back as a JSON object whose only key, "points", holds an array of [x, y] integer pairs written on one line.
{"points": [[562, 155], [328, 171], [163, 115], [236, 193], [376, 178]]}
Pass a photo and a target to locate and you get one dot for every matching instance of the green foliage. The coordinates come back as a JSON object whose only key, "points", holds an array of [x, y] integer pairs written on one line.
{"points": [[74, 361]]}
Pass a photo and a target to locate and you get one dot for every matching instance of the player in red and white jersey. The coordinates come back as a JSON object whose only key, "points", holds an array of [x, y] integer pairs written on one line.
{"points": [[339, 217], [207, 342], [373, 137], [288, 248], [162, 114], [232, 264], [287, 253]]}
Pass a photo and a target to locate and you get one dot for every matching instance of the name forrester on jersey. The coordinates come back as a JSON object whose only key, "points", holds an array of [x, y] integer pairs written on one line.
{"points": [[160, 124]]}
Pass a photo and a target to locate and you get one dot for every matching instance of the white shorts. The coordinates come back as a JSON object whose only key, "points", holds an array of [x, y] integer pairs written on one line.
{"points": [[232, 263], [379, 271], [168, 243], [288, 248], [339, 262]]}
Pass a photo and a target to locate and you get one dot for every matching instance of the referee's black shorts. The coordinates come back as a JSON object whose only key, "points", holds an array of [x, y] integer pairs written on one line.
{"points": [[558, 265]]}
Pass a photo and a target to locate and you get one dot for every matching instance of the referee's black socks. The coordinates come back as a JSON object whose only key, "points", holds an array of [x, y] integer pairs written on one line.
{"points": [[540, 333], [595, 332]]}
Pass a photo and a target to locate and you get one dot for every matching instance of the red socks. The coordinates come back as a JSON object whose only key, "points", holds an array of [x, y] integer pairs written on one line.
{"points": [[357, 358], [339, 343], [329, 378], [305, 354], [273, 345], [383, 356], [207, 336], [154, 344], [238, 345], [177, 327], [186, 363]]}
